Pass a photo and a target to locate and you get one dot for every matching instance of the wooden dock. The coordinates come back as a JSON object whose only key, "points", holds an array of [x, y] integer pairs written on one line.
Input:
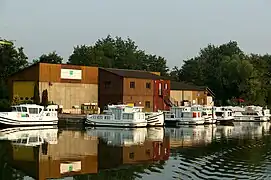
{"points": [[71, 119]]}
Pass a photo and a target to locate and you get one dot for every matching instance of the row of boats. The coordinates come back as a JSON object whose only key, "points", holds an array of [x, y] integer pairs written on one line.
{"points": [[134, 116]]}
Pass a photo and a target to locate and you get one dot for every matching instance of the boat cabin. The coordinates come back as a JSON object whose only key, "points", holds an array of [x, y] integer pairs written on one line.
{"points": [[33, 109]]}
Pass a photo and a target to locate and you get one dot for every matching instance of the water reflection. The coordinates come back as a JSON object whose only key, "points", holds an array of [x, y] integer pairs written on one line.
{"points": [[49, 153], [242, 151]]}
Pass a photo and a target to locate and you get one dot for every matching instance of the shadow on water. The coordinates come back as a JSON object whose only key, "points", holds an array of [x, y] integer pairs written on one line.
{"points": [[102, 153]]}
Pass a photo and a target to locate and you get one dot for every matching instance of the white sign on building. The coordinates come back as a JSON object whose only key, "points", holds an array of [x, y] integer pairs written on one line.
{"points": [[71, 74]]}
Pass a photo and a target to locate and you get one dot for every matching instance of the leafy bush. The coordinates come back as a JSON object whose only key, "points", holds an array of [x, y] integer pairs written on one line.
{"points": [[4, 105]]}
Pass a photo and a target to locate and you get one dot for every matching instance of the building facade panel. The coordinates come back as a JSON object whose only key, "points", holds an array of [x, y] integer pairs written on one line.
{"points": [[139, 100], [70, 94], [49, 72], [110, 88], [137, 87], [199, 97], [66, 73], [23, 90], [29, 74]]}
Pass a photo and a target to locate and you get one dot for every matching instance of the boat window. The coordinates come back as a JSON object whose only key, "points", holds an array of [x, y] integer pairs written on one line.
{"points": [[24, 109], [219, 113], [33, 139], [19, 140], [128, 116], [40, 110], [19, 109], [24, 141], [106, 117], [33, 111], [13, 109], [99, 117]]}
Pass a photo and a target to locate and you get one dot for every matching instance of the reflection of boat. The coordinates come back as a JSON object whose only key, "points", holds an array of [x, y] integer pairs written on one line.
{"points": [[119, 116], [30, 136], [190, 136], [119, 136], [29, 115], [155, 134], [242, 129]]}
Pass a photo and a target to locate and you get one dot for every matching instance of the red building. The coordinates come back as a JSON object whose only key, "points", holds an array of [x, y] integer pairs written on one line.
{"points": [[161, 95]]}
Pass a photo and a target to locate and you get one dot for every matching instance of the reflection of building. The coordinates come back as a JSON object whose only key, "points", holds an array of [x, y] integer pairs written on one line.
{"points": [[74, 153], [150, 150]]}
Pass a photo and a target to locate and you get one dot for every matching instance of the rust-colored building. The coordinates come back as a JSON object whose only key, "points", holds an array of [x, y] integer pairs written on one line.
{"points": [[181, 91], [67, 85], [133, 87]]}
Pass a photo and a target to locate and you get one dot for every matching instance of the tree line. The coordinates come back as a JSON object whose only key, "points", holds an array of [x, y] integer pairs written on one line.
{"points": [[229, 72]]}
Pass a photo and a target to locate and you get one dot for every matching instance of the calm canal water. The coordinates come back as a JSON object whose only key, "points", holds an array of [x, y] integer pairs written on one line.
{"points": [[242, 151]]}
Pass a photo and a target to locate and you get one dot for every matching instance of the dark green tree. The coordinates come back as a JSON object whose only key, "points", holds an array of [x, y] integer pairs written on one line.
{"points": [[44, 100], [36, 98], [227, 71], [117, 53], [12, 59], [52, 58]]}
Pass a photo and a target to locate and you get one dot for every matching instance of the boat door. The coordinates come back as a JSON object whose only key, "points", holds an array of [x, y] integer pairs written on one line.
{"points": [[117, 112]]}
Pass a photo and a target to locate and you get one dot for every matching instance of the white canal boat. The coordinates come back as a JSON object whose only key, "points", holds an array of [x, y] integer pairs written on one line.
{"points": [[224, 115], [208, 113], [155, 118], [185, 115], [30, 115], [119, 116], [250, 113]]}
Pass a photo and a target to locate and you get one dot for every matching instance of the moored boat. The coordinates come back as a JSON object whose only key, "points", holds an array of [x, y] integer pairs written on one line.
{"points": [[30, 115], [208, 113], [250, 113], [224, 115], [181, 115], [119, 116], [155, 118]]}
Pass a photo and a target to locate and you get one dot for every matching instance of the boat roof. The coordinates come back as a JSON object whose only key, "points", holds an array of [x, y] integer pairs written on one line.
{"points": [[125, 106], [28, 105]]}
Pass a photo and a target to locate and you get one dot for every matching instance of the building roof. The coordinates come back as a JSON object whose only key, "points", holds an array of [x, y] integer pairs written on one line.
{"points": [[134, 73], [174, 85]]}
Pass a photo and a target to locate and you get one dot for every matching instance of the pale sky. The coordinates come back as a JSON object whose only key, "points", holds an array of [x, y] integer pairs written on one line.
{"points": [[174, 29]]}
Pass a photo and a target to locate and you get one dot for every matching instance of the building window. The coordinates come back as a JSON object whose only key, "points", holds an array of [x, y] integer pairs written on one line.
{"points": [[148, 85], [132, 155], [132, 84], [147, 104], [166, 86], [107, 84]]}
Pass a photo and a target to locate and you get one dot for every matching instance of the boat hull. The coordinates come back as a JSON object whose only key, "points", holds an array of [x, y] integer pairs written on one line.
{"points": [[7, 122], [185, 121], [116, 123], [251, 118], [155, 119], [209, 120]]}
